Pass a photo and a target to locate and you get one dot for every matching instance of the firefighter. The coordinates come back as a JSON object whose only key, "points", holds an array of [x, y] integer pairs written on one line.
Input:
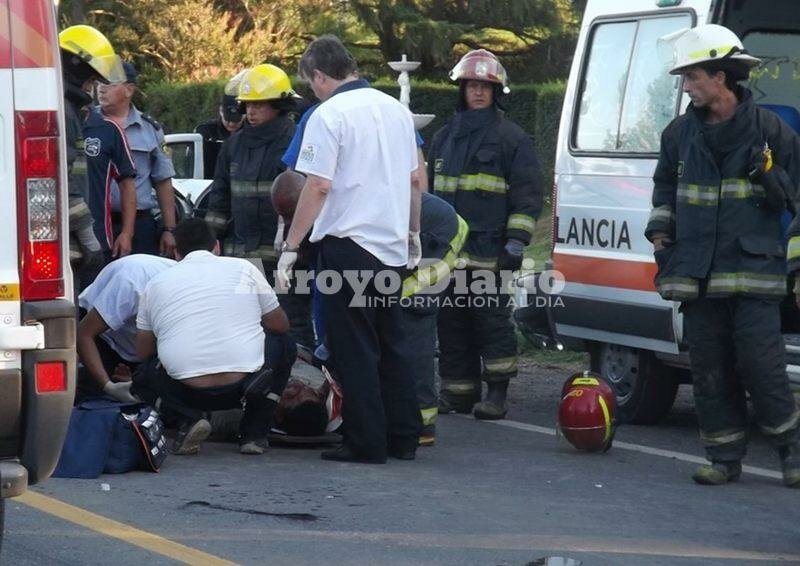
{"points": [[726, 173], [217, 130], [86, 56], [485, 166], [442, 235], [247, 165]]}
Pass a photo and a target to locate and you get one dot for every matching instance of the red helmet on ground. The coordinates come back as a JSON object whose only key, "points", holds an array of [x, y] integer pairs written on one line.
{"points": [[586, 412], [480, 65]]}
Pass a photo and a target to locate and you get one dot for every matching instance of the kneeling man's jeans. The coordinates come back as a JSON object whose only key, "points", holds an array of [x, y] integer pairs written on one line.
{"points": [[173, 399]]}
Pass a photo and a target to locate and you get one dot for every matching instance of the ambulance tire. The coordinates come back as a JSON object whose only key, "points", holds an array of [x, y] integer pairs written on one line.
{"points": [[644, 387]]}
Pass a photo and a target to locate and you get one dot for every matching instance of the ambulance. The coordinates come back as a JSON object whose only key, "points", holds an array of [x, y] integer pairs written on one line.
{"points": [[37, 312], [619, 97]]}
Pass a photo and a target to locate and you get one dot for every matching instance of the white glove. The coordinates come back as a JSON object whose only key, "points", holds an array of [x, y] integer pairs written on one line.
{"points": [[279, 234], [285, 265], [120, 391], [414, 250]]}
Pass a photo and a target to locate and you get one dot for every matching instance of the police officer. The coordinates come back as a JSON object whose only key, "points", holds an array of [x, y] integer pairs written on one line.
{"points": [[248, 163], [86, 56], [154, 170], [442, 235], [486, 167], [726, 173], [217, 130]]}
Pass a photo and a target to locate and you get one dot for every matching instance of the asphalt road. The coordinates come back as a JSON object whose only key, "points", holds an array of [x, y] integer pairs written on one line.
{"points": [[486, 494]]}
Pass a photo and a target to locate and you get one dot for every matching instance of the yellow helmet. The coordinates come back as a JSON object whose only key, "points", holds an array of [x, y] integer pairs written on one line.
{"points": [[94, 49], [265, 82]]}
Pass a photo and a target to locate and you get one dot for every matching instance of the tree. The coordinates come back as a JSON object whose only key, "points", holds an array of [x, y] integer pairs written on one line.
{"points": [[535, 36]]}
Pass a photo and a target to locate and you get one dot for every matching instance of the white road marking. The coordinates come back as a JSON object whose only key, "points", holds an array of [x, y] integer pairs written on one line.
{"points": [[754, 470]]}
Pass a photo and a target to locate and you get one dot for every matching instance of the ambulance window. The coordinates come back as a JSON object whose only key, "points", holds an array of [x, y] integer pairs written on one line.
{"points": [[628, 96], [777, 79], [604, 86]]}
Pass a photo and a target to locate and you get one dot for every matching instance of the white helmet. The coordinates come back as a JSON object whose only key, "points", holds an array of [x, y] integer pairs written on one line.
{"points": [[708, 43]]}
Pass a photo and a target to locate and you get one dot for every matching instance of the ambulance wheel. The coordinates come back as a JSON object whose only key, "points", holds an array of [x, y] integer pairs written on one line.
{"points": [[643, 386]]}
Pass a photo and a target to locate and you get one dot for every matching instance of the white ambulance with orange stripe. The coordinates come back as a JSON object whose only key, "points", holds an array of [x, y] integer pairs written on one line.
{"points": [[619, 98], [37, 314]]}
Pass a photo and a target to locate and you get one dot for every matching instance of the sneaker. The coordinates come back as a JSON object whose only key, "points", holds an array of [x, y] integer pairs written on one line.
{"points": [[428, 435], [717, 473], [190, 436], [252, 447], [790, 465]]}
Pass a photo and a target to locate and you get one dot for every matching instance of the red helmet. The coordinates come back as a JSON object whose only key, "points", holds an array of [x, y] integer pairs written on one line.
{"points": [[480, 65], [586, 412]]}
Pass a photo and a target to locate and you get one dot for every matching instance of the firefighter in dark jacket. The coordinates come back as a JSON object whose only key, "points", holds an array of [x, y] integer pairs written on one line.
{"points": [[485, 166], [442, 235], [247, 165], [219, 129], [727, 171], [86, 56]]}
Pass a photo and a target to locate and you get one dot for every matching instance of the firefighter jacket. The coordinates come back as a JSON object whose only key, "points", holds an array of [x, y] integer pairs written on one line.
{"points": [[486, 167], [726, 239], [79, 216], [241, 192], [442, 234]]}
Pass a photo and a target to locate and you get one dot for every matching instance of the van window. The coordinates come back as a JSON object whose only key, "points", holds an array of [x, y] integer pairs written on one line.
{"points": [[775, 80], [627, 94]]}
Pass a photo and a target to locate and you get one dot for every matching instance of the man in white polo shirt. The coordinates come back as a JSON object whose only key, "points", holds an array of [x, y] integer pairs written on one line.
{"points": [[208, 318], [359, 152]]}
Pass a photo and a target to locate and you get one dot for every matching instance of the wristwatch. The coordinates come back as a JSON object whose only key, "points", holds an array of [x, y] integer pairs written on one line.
{"points": [[285, 247], [168, 229]]}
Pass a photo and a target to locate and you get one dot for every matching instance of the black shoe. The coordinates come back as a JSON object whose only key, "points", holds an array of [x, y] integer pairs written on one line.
{"points": [[403, 454], [345, 454]]}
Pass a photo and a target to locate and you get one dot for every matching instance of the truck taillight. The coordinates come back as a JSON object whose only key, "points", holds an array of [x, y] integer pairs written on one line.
{"points": [[38, 199], [50, 377]]}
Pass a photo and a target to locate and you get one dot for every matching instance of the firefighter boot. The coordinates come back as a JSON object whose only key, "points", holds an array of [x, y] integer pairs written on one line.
{"points": [[494, 406], [452, 403], [790, 465], [717, 473]]}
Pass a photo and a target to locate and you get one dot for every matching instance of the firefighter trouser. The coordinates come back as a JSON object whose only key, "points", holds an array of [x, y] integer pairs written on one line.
{"points": [[420, 326], [476, 336], [736, 346], [369, 355], [297, 305]]}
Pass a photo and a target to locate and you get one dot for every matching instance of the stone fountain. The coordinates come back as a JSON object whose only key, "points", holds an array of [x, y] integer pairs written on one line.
{"points": [[404, 67]]}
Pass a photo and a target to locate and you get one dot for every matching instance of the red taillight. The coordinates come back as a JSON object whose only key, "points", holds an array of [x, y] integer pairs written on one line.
{"points": [[51, 377], [38, 211]]}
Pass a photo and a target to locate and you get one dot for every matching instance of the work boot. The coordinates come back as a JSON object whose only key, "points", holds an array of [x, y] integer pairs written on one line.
{"points": [[493, 407], [790, 465], [428, 435], [450, 403], [717, 473], [190, 436]]}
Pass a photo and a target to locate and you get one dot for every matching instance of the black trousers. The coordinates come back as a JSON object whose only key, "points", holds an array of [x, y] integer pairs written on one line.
{"points": [[369, 354], [297, 307], [421, 343], [146, 237], [476, 338], [736, 346], [152, 384]]}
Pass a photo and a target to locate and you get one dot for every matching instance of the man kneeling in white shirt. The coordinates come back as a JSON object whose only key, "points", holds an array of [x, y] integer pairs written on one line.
{"points": [[207, 317]]}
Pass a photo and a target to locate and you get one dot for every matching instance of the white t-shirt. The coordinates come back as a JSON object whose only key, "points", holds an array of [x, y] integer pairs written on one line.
{"points": [[363, 141], [206, 315], [115, 296]]}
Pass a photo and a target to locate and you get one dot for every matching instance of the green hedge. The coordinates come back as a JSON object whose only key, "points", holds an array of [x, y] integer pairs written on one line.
{"points": [[535, 107]]}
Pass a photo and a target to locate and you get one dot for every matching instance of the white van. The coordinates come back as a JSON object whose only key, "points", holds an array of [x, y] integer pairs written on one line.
{"points": [[37, 313], [618, 100]]}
